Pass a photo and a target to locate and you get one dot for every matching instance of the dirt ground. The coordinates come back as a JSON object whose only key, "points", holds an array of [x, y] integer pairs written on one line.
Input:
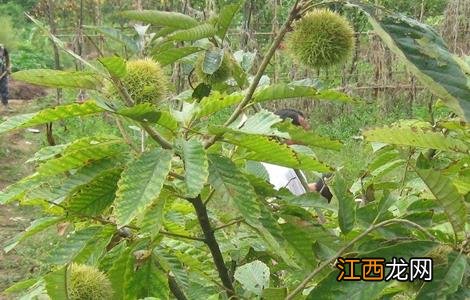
{"points": [[15, 149]]}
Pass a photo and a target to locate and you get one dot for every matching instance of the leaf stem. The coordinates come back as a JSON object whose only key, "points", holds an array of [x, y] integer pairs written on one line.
{"points": [[373, 227], [182, 236], [236, 221]]}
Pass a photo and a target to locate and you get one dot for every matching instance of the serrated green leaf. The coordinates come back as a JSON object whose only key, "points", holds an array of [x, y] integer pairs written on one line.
{"points": [[382, 159], [82, 176], [415, 137], [118, 36], [462, 185], [300, 241], [454, 274], [149, 281], [153, 217], [284, 91], [265, 149], [271, 233], [307, 138], [193, 34], [58, 78], [95, 248], [172, 55], [73, 244], [195, 165], [229, 182], [446, 280], [347, 206], [50, 115], [148, 113], [36, 226], [56, 285], [141, 183], [164, 32], [447, 197], [257, 169], [47, 152], [216, 102], [173, 265], [80, 153], [425, 53], [163, 18], [115, 65], [121, 272], [15, 190], [94, 197], [21, 286], [260, 123], [226, 15], [253, 276]]}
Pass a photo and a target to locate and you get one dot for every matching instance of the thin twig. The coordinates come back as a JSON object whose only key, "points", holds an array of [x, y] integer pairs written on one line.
{"points": [[211, 193], [304, 283], [254, 84], [402, 184], [236, 221], [124, 133], [177, 176], [182, 236]]}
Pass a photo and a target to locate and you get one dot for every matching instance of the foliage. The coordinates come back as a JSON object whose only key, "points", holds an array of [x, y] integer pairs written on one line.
{"points": [[321, 39], [188, 211]]}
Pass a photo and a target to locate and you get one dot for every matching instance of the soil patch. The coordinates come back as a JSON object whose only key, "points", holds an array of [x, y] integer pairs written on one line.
{"points": [[21, 90]]}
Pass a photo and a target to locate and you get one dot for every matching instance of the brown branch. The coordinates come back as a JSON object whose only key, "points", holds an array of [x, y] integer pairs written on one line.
{"points": [[213, 246], [236, 221], [175, 289]]}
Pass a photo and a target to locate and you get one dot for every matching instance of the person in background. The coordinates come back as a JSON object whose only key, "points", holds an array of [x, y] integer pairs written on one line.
{"points": [[282, 177], [5, 70]]}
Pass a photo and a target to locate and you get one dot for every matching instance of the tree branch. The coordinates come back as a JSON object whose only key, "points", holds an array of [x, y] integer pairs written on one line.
{"points": [[262, 68], [304, 283], [214, 248], [182, 236], [175, 289], [236, 221]]}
